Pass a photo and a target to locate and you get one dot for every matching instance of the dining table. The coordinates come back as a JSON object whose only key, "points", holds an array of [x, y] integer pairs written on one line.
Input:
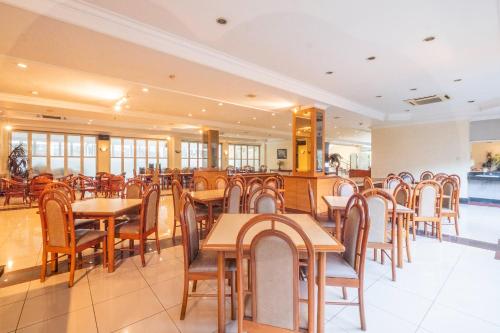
{"points": [[222, 239], [338, 205], [208, 198], [109, 209]]}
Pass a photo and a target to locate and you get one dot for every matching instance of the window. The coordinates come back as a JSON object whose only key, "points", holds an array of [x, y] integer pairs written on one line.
{"points": [[140, 154], [74, 154], [116, 156], [89, 155], [57, 153], [162, 154], [194, 154], [152, 148], [39, 151], [128, 157], [242, 155], [19, 138]]}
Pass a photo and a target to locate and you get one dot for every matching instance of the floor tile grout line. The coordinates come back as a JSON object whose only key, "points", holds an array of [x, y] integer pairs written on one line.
{"points": [[138, 321], [22, 308], [92, 300]]}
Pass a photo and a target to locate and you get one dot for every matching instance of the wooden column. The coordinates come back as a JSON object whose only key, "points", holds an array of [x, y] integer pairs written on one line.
{"points": [[211, 138]]}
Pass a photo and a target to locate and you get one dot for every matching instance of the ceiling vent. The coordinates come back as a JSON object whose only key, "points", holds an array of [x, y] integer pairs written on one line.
{"points": [[46, 116], [427, 100]]}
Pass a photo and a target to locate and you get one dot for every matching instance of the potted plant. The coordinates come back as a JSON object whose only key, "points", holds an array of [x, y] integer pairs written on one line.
{"points": [[17, 162], [334, 160]]}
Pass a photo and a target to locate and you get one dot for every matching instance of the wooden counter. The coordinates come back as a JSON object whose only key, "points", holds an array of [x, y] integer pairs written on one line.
{"points": [[296, 196]]}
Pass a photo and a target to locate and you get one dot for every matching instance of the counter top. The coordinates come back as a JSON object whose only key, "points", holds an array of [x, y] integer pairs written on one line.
{"points": [[484, 176]]}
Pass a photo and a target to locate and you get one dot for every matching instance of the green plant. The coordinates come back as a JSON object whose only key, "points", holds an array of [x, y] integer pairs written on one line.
{"points": [[17, 162]]}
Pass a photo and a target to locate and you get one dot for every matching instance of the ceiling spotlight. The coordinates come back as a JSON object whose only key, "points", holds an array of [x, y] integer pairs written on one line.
{"points": [[34, 92], [329, 73], [371, 58], [429, 39], [8, 127], [254, 118], [220, 104], [21, 65], [379, 96], [273, 114], [127, 106], [471, 101], [273, 126], [289, 124], [413, 89], [200, 131], [203, 110], [238, 122], [457, 80], [221, 21], [145, 90], [118, 107], [190, 114], [251, 95], [295, 110]]}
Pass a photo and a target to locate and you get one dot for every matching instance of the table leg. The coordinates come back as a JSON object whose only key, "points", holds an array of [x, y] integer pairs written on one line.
{"points": [[321, 291], [210, 216], [400, 240], [337, 225], [111, 244], [221, 290]]}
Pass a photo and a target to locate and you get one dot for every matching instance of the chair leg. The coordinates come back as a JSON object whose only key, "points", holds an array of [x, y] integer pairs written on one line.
{"points": [[105, 252], [382, 258], [184, 298], [173, 231], [344, 293], [157, 241], [141, 249], [414, 230], [407, 241], [131, 244], [362, 308], [233, 298], [438, 229], [54, 265], [455, 218], [393, 263], [195, 284], [72, 270], [43, 272], [374, 254]]}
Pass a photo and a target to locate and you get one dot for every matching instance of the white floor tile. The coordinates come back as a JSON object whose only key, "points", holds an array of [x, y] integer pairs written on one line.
{"points": [[14, 293], [158, 323], [9, 315], [104, 287], [80, 321]]}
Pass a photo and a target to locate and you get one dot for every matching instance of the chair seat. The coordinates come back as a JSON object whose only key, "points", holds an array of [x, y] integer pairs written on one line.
{"points": [[80, 223], [130, 227], [206, 262], [446, 211], [337, 267], [83, 236]]}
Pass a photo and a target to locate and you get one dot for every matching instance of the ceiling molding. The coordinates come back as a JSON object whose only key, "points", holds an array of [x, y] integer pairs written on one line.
{"points": [[110, 23]]}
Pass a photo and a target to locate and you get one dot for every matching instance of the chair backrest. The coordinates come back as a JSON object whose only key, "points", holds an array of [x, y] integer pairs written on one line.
{"points": [[253, 184], [46, 175], [392, 181], [427, 198], [176, 198], [281, 181], [367, 183], [312, 200], [457, 179], [402, 194], [439, 177], [198, 183], [220, 183], [274, 261], [426, 175], [149, 208], [37, 185], [64, 188], [116, 184], [378, 210], [133, 189], [233, 195], [57, 221], [450, 193], [272, 182], [189, 227], [264, 199], [407, 177], [344, 187], [355, 233]]}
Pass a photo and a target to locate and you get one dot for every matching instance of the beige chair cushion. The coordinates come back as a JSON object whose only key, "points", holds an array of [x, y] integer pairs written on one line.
{"points": [[337, 267], [206, 262], [131, 227], [83, 236]]}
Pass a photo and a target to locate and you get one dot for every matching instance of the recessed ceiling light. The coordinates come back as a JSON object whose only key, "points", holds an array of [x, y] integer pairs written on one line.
{"points": [[429, 39], [145, 90], [203, 110], [471, 101], [457, 80], [254, 118], [118, 108], [190, 114], [21, 65], [329, 73], [273, 114], [8, 127], [127, 106], [220, 104], [238, 122], [251, 95], [200, 131], [289, 124], [379, 96], [371, 58], [413, 89], [273, 126], [221, 20], [34, 92]]}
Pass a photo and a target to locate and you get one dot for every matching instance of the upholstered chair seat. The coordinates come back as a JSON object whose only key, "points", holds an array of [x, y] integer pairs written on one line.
{"points": [[206, 261], [130, 227], [338, 267], [83, 236]]}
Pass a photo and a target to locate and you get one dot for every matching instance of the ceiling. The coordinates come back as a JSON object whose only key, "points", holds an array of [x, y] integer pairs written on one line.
{"points": [[83, 56]]}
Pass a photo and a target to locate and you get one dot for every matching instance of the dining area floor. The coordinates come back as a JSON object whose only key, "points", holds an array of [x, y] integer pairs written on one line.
{"points": [[449, 287]]}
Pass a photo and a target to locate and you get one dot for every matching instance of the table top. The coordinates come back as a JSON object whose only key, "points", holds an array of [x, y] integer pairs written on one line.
{"points": [[104, 206], [207, 195], [337, 202], [223, 235]]}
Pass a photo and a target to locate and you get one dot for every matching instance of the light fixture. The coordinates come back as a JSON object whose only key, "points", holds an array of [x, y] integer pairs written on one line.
{"points": [[329, 73], [200, 131], [221, 20], [273, 114], [413, 89], [171, 76], [371, 58], [34, 92], [103, 148], [457, 80], [251, 95], [127, 106], [295, 109], [471, 101], [190, 114], [379, 96], [117, 108], [21, 65], [238, 122], [254, 118], [273, 126], [168, 137], [220, 104], [289, 124], [145, 90], [429, 39], [203, 110], [8, 127]]}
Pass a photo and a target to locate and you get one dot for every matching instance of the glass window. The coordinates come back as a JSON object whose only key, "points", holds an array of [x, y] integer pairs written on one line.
{"points": [[242, 155], [116, 156], [89, 155], [74, 153], [39, 151], [57, 153], [19, 138], [128, 157], [152, 149], [140, 153], [194, 155], [163, 154]]}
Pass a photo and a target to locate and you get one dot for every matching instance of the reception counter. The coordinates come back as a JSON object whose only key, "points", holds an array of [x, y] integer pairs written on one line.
{"points": [[484, 186], [297, 197]]}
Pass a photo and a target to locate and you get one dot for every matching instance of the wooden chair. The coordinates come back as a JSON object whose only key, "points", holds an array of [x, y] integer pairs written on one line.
{"points": [[46, 175], [86, 185], [324, 221], [403, 197], [272, 182], [383, 226], [198, 183], [147, 224], [37, 185], [220, 183], [199, 264], [392, 181], [450, 202], [252, 185], [115, 187], [344, 187], [276, 294], [281, 182], [427, 201], [252, 207], [407, 177], [426, 175], [459, 182], [233, 198], [133, 189], [14, 189], [347, 270], [367, 183], [440, 177], [176, 197], [59, 234]]}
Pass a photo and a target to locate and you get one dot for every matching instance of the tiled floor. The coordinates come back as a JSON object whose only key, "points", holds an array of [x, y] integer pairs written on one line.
{"points": [[448, 288]]}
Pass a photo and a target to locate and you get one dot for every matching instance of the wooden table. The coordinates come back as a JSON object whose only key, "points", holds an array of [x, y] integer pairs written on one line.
{"points": [[208, 198], [102, 208], [338, 204], [222, 238]]}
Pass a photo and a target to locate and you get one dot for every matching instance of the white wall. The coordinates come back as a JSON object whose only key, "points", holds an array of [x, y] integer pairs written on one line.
{"points": [[439, 147], [272, 161], [480, 149]]}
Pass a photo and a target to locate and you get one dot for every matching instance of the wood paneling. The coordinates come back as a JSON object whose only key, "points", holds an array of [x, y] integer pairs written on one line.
{"points": [[296, 196]]}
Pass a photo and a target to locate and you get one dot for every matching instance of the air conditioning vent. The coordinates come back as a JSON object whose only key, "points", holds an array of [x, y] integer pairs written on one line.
{"points": [[46, 116], [427, 100]]}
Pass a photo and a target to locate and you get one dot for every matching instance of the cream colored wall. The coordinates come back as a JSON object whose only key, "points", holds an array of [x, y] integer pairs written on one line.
{"points": [[271, 148], [4, 149], [103, 156], [480, 149], [439, 147]]}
